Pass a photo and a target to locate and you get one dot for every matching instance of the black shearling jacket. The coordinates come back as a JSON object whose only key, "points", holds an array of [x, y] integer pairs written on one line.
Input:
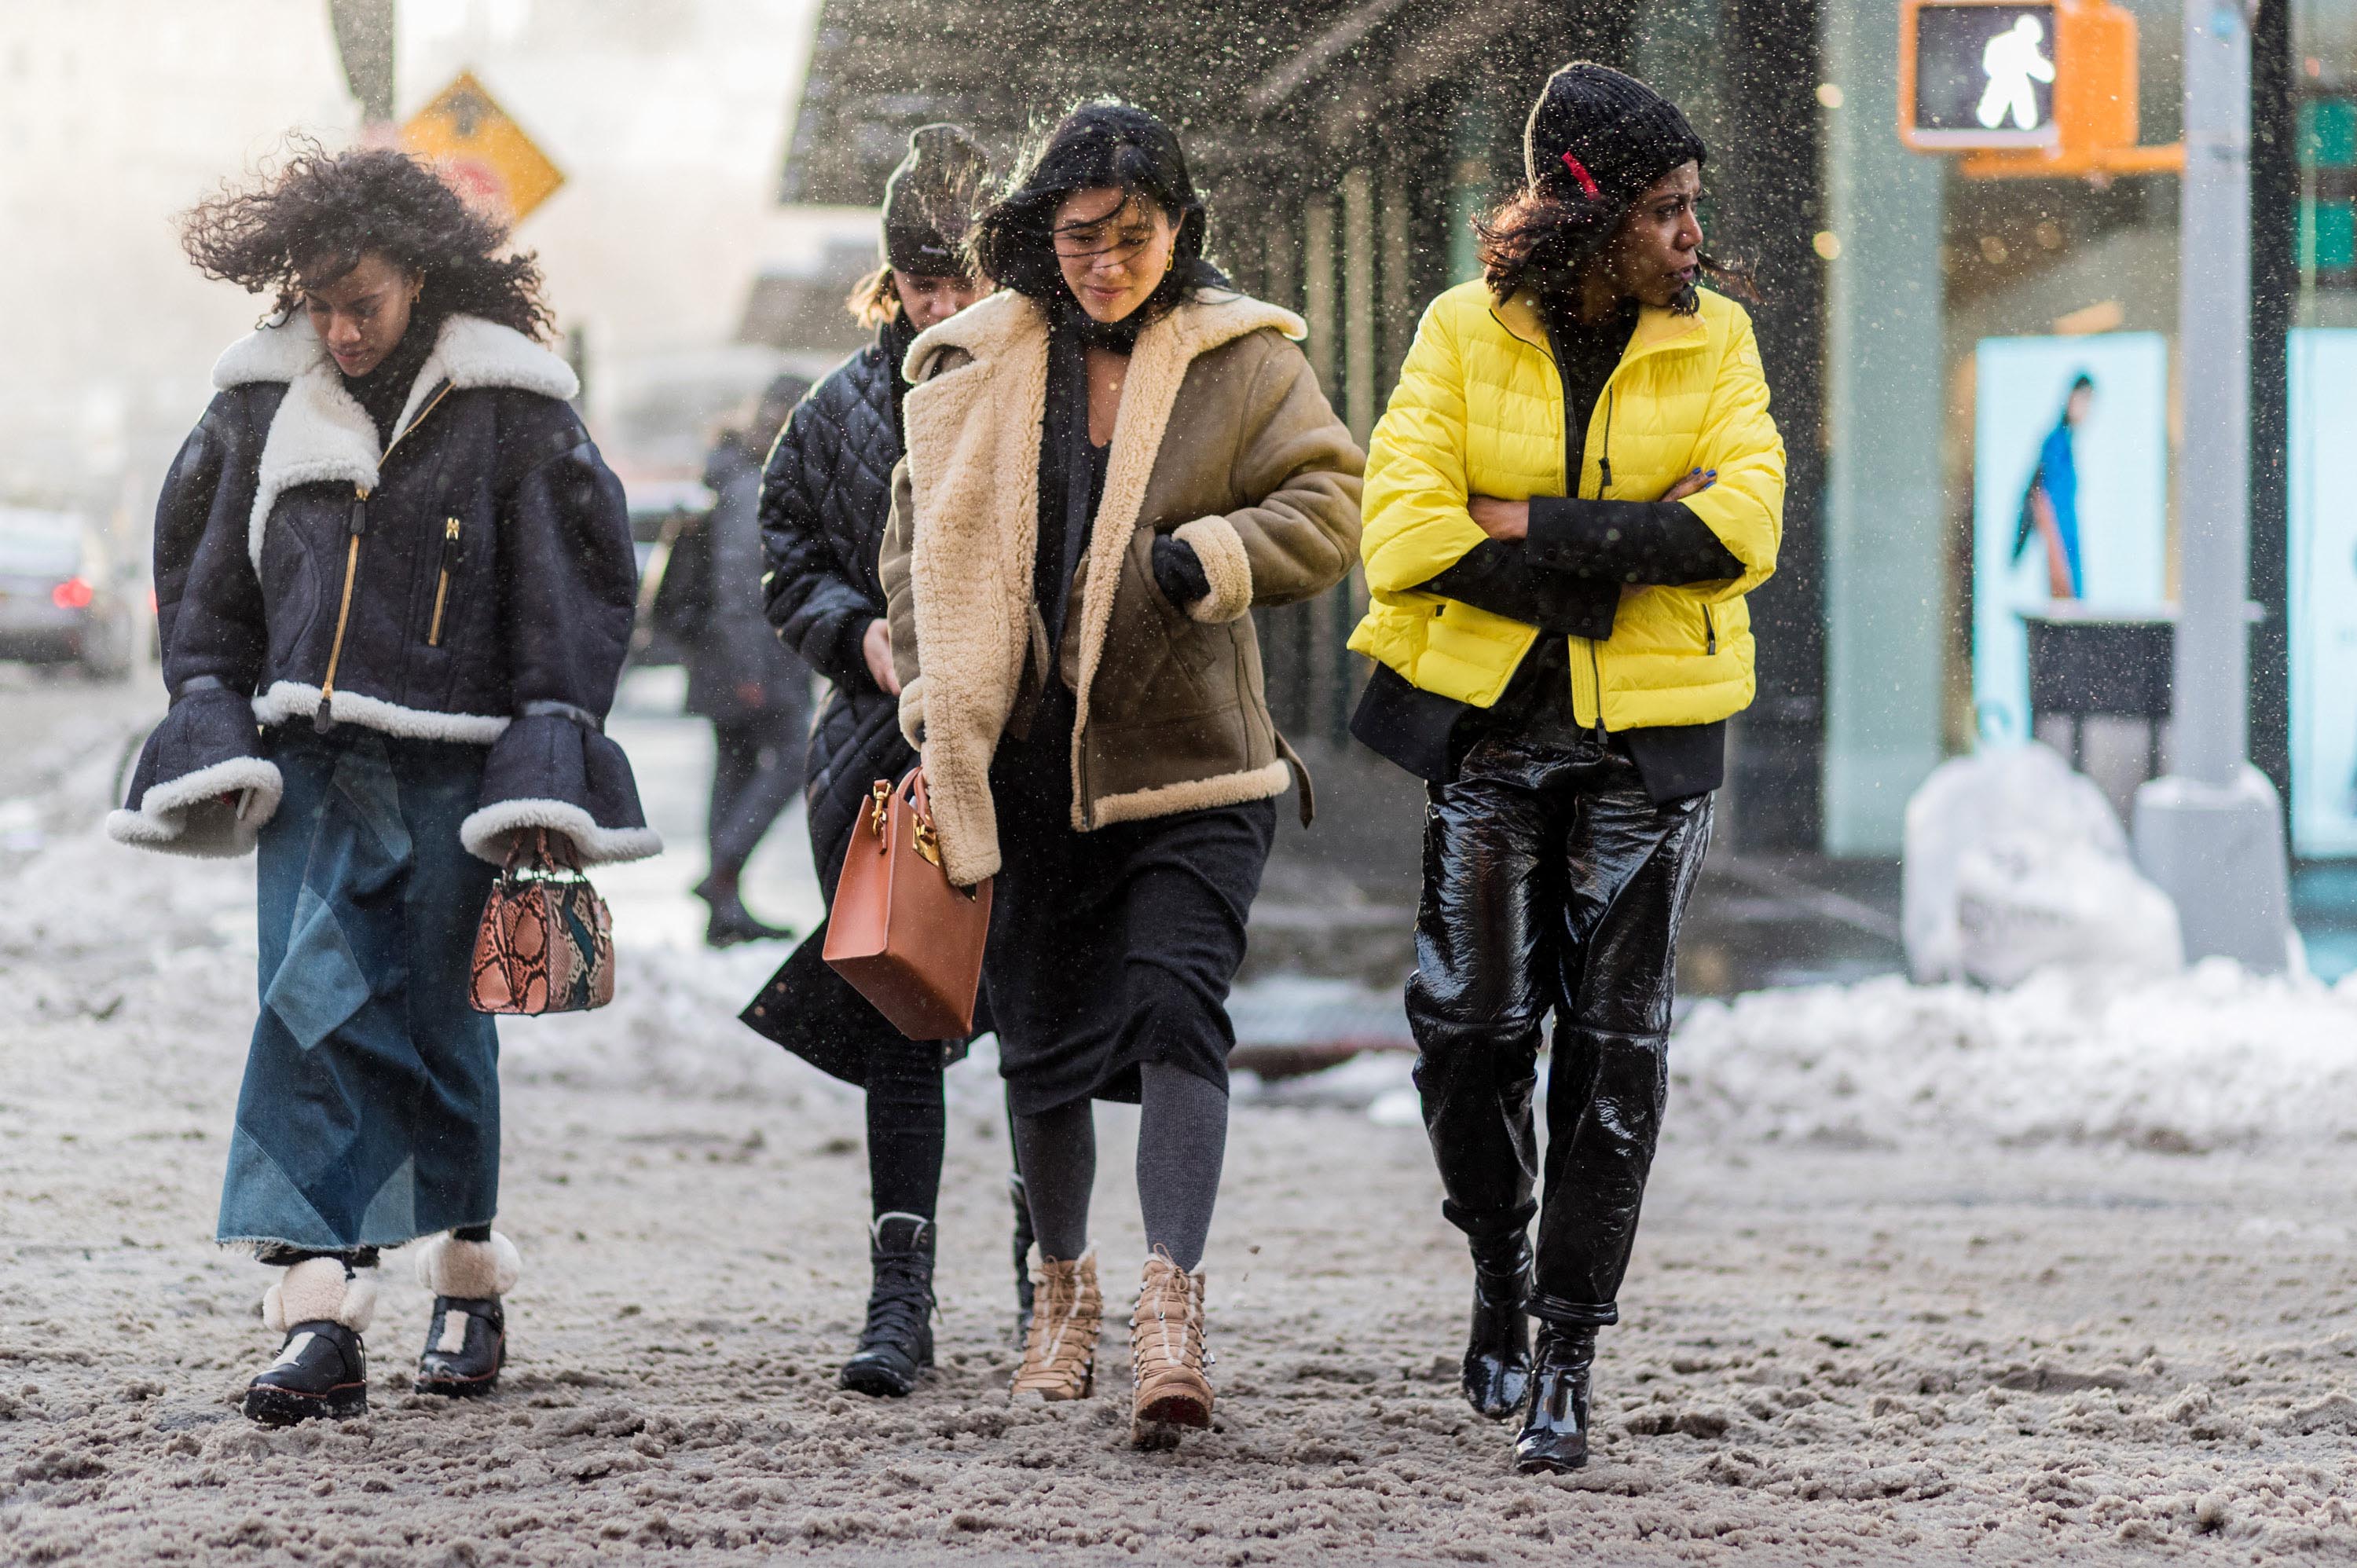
{"points": [[490, 575]]}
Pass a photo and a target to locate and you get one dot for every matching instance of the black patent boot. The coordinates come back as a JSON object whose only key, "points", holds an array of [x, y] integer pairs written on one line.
{"points": [[464, 1348], [322, 1304], [1554, 1438], [896, 1346], [1497, 1373], [322, 1372], [1024, 1288]]}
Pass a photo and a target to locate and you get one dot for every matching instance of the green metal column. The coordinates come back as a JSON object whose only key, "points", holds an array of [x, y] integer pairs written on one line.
{"points": [[1884, 413]]}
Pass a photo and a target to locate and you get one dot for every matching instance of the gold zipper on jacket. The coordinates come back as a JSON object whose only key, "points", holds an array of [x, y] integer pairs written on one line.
{"points": [[322, 719], [442, 580]]}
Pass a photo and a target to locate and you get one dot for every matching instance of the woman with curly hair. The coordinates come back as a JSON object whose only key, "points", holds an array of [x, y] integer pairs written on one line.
{"points": [[1575, 486], [393, 585], [1110, 462]]}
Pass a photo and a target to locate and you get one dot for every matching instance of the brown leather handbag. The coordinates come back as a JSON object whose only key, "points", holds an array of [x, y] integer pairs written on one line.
{"points": [[546, 941], [900, 933]]}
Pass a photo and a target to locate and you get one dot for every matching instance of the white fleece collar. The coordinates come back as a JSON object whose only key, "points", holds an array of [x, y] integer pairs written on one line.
{"points": [[320, 433]]}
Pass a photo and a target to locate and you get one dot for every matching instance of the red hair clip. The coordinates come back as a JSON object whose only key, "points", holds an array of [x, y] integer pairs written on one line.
{"points": [[1580, 172]]}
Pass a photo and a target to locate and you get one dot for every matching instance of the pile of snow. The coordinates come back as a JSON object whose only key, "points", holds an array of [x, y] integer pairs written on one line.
{"points": [[2209, 1058], [2016, 864]]}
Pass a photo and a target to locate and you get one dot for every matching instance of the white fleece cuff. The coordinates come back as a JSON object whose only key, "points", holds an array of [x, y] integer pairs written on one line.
{"points": [[1221, 549], [472, 1271], [485, 832], [315, 1291], [186, 815]]}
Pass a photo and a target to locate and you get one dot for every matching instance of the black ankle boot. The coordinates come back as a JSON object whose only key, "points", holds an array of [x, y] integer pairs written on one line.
{"points": [[321, 1371], [1023, 1238], [731, 923], [1498, 1349], [896, 1346], [1554, 1433], [464, 1348]]}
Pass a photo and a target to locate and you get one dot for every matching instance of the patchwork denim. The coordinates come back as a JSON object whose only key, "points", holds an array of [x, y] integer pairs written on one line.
{"points": [[370, 1113]]}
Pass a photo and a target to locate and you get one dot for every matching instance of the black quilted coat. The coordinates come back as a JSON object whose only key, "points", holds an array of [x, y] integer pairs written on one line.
{"points": [[825, 496]]}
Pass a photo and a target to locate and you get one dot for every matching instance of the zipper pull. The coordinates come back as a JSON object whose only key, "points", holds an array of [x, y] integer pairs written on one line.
{"points": [[1604, 463], [442, 579]]}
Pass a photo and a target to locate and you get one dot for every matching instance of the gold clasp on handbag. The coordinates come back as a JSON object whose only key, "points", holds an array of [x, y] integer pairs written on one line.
{"points": [[928, 844], [879, 801]]}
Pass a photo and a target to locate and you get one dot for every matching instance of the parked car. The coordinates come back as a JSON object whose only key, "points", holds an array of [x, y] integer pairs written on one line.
{"points": [[61, 600]]}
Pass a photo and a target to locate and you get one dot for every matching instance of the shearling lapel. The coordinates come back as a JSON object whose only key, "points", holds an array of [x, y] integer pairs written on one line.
{"points": [[319, 433], [973, 480]]}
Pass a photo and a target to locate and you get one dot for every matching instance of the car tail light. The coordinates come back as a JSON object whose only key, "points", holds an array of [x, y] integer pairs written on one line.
{"points": [[73, 593]]}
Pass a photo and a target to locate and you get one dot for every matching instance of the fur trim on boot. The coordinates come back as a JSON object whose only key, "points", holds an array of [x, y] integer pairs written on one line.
{"points": [[471, 1269], [321, 1290], [1060, 1354], [1166, 1357]]}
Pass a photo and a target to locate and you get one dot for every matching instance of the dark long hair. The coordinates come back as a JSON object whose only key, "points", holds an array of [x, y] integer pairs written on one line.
{"points": [[1105, 144], [1545, 243], [310, 221]]}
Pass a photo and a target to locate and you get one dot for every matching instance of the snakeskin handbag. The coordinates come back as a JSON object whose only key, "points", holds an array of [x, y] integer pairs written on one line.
{"points": [[546, 941]]}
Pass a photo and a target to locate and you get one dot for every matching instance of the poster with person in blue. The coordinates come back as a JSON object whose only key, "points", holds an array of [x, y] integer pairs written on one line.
{"points": [[2070, 498], [2049, 507]]}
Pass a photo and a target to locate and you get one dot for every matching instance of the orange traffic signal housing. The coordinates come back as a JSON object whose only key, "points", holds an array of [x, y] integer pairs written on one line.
{"points": [[2092, 132]]}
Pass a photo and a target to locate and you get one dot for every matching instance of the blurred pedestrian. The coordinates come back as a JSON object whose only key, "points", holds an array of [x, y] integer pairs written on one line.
{"points": [[824, 499], [1576, 484], [1109, 463], [394, 587], [754, 690]]}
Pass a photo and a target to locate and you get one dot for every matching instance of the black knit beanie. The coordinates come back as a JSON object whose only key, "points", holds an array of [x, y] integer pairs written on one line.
{"points": [[1600, 135], [929, 202]]}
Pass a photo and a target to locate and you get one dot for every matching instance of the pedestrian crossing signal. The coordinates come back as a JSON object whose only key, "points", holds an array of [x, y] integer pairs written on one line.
{"points": [[1983, 74], [2043, 88]]}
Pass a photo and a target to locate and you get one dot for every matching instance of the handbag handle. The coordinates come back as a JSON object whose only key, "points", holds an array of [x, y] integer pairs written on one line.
{"points": [[911, 788], [544, 860]]}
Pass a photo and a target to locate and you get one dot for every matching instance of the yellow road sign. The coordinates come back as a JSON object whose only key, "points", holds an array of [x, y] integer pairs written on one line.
{"points": [[480, 150]]}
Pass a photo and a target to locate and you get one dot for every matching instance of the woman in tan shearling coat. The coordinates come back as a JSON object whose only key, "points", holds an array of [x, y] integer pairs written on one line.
{"points": [[1109, 464]]}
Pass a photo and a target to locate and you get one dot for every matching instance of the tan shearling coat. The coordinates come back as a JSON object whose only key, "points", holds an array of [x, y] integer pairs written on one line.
{"points": [[1224, 440]]}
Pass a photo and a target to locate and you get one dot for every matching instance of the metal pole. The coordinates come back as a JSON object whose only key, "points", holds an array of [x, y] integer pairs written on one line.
{"points": [[2212, 833], [2214, 335]]}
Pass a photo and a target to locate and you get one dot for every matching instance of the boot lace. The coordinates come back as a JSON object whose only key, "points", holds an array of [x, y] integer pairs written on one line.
{"points": [[899, 1304], [1166, 1333], [1059, 1351]]}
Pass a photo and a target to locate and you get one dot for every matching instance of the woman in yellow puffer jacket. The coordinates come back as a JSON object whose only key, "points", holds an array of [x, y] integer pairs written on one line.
{"points": [[1575, 486]]}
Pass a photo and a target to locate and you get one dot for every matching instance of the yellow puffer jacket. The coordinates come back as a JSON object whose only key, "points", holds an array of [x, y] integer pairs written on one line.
{"points": [[1478, 411]]}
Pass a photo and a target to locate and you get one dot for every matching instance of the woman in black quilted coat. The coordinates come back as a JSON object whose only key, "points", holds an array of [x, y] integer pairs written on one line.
{"points": [[824, 499]]}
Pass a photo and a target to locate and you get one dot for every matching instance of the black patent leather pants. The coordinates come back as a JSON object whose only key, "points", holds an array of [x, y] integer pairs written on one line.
{"points": [[1552, 885]]}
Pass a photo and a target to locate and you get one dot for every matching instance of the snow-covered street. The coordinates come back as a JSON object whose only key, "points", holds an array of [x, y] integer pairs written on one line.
{"points": [[1927, 1275]]}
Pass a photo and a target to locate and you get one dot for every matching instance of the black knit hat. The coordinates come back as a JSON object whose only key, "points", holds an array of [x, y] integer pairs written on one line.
{"points": [[929, 202], [1600, 135]]}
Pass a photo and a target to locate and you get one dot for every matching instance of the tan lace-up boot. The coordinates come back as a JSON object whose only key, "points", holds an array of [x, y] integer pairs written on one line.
{"points": [[1060, 1354], [1167, 1359]]}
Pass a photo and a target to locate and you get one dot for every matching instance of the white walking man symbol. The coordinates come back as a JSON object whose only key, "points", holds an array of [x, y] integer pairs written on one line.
{"points": [[2012, 62]]}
